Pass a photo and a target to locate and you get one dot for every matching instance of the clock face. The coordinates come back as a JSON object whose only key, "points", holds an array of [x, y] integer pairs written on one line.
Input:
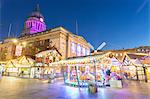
{"points": [[41, 19]]}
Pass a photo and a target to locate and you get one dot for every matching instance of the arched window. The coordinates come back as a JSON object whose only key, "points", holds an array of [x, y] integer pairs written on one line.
{"points": [[31, 24], [38, 26], [41, 27]]}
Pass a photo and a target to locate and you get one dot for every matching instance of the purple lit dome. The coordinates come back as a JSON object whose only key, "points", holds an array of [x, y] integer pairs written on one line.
{"points": [[35, 23]]}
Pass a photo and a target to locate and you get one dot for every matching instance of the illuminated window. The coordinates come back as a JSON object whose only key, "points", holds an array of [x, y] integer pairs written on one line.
{"points": [[36, 26], [120, 54], [83, 51], [87, 52], [116, 55], [78, 50], [31, 24], [18, 50], [73, 47]]}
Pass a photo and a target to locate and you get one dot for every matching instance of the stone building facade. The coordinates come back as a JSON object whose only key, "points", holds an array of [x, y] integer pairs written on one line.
{"points": [[35, 38], [68, 44]]}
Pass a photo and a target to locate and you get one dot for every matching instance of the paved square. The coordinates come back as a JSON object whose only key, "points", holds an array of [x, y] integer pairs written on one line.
{"points": [[21, 88]]}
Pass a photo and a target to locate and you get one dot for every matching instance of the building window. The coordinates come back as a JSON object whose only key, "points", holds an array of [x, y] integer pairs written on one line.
{"points": [[73, 47], [116, 55], [46, 42], [120, 54], [83, 51], [87, 52], [36, 26], [28, 24], [78, 50], [41, 42], [31, 24], [41, 27]]}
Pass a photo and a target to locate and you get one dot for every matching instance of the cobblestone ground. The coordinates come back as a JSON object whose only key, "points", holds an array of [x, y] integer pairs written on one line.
{"points": [[21, 88]]}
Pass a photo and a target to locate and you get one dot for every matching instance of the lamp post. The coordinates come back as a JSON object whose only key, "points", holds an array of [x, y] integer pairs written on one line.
{"points": [[137, 76], [145, 75], [15, 41], [77, 77], [94, 61], [63, 72]]}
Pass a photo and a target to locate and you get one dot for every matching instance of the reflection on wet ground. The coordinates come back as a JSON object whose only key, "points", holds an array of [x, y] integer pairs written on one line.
{"points": [[21, 88]]}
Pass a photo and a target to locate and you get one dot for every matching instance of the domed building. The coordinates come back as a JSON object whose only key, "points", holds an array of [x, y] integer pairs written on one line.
{"points": [[35, 23], [36, 38]]}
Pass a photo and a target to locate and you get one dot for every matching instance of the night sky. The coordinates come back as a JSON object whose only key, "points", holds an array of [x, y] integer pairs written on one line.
{"points": [[120, 23]]}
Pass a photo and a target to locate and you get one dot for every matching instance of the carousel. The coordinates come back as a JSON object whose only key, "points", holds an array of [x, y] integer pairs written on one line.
{"points": [[136, 66], [100, 69]]}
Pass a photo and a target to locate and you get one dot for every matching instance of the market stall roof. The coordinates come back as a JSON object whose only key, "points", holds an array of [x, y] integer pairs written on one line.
{"points": [[136, 55], [146, 60], [3, 62], [120, 57], [103, 57], [25, 61], [22, 61], [52, 49], [134, 58], [115, 62], [11, 63], [84, 58]]}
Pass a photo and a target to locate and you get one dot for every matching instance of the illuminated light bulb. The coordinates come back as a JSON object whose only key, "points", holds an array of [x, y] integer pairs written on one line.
{"points": [[15, 40], [24, 43]]}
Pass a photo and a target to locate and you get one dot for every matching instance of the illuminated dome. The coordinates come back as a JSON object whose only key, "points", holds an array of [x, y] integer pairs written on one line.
{"points": [[35, 23]]}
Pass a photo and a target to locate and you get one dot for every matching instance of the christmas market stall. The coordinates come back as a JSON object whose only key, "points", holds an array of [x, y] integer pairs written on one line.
{"points": [[134, 66], [99, 69], [19, 67], [10, 68], [42, 68], [24, 66]]}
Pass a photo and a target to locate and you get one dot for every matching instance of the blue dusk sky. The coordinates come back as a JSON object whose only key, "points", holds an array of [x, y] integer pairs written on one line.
{"points": [[120, 23]]}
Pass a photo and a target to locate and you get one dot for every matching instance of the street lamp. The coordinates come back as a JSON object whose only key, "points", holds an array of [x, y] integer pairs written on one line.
{"points": [[24, 44], [144, 69], [15, 41]]}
